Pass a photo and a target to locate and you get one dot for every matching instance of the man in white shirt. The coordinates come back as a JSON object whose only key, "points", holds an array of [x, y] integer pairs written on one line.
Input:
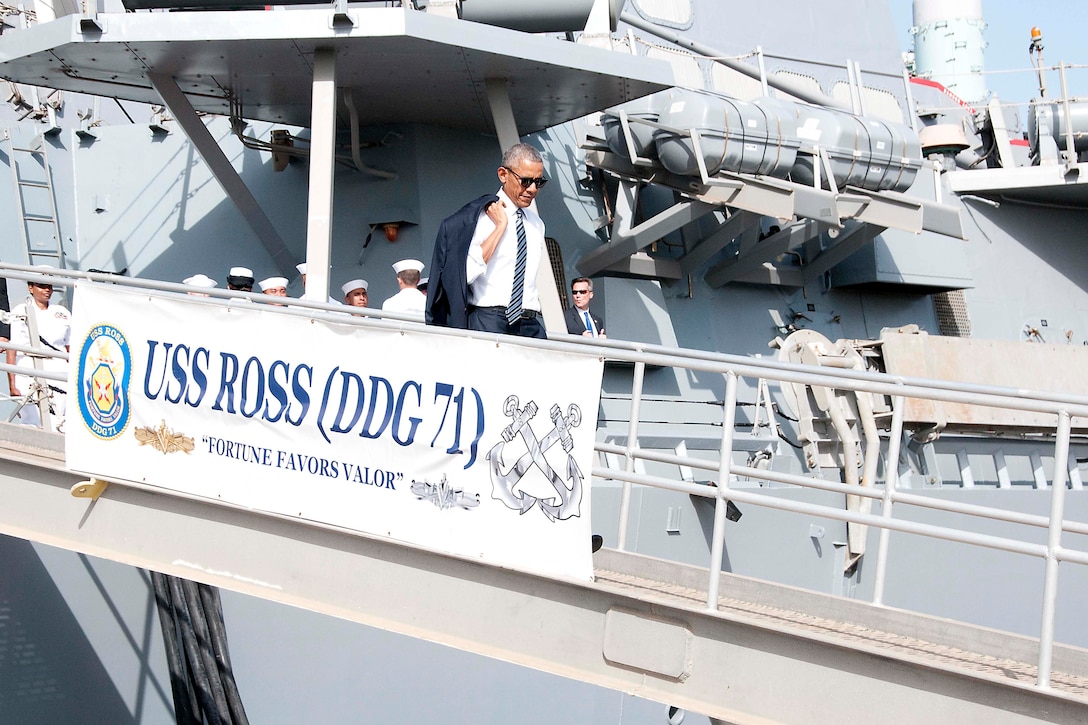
{"points": [[505, 251], [409, 300]]}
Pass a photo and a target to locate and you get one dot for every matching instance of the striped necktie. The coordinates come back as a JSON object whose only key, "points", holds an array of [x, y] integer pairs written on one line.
{"points": [[513, 310]]}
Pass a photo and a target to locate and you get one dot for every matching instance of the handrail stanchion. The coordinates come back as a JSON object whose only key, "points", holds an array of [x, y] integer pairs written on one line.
{"points": [[632, 443], [891, 482], [1070, 145], [1053, 544], [725, 462]]}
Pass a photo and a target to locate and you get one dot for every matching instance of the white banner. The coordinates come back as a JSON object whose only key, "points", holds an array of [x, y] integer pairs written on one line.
{"points": [[463, 446]]}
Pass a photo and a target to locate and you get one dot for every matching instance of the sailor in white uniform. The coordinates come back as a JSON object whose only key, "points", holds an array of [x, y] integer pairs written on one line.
{"points": [[53, 324], [409, 300], [302, 270], [199, 281], [355, 293], [240, 278], [274, 287]]}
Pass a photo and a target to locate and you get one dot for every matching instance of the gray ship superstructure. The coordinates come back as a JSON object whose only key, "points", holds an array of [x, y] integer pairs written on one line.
{"points": [[846, 312]]}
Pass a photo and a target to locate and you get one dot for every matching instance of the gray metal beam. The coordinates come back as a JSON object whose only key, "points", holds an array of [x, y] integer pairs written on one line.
{"points": [[851, 241], [877, 208], [765, 252], [782, 199], [774, 275], [733, 227], [643, 265], [502, 113], [900, 211], [628, 239], [732, 665], [223, 171]]}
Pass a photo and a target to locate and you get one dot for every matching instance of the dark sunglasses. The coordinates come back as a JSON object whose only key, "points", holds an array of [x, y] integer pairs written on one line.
{"points": [[526, 182], [579, 292]]}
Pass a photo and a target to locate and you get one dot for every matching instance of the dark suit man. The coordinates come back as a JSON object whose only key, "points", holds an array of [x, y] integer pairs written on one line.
{"points": [[486, 263], [580, 320]]}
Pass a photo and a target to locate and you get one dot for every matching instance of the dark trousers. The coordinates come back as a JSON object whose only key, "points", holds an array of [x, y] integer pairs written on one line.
{"points": [[493, 319]]}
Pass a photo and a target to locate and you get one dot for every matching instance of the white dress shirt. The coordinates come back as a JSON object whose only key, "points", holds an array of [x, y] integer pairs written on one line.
{"points": [[491, 284]]}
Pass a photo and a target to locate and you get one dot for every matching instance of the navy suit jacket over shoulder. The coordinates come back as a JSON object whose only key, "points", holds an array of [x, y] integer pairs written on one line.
{"points": [[447, 288]]}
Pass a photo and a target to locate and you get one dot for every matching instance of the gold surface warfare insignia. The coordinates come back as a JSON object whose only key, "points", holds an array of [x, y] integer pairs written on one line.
{"points": [[163, 439]]}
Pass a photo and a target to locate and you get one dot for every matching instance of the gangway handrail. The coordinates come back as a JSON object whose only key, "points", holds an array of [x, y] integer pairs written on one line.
{"points": [[792, 479], [1052, 552], [734, 367], [626, 351]]}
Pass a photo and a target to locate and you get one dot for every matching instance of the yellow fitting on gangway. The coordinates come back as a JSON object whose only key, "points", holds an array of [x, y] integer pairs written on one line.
{"points": [[91, 489]]}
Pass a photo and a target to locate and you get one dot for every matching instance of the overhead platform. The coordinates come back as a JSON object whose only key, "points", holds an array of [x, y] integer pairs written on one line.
{"points": [[402, 65], [767, 653], [1059, 183]]}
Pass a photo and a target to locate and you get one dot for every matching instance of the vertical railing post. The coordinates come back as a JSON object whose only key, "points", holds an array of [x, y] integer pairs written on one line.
{"points": [[725, 461], [911, 114], [891, 482], [632, 444], [762, 71], [1053, 543], [1070, 145]]}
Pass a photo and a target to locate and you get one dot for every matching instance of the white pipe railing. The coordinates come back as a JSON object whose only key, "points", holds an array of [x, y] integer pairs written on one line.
{"points": [[721, 500], [1052, 552]]}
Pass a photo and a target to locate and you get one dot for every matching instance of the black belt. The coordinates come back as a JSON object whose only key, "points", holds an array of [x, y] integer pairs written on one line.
{"points": [[525, 314]]}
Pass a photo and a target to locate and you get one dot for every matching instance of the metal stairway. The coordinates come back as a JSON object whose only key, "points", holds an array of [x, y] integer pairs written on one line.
{"points": [[770, 653]]}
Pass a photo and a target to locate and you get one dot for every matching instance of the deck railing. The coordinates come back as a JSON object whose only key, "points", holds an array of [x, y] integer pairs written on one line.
{"points": [[734, 368]]}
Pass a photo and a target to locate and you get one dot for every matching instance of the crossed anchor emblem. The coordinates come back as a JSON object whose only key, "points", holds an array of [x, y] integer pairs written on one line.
{"points": [[569, 498]]}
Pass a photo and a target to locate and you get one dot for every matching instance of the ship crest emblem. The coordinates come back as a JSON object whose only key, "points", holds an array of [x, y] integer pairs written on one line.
{"points": [[567, 499], [105, 367]]}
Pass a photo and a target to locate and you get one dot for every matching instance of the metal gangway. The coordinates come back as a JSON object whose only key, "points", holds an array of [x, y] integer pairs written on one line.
{"points": [[734, 648]]}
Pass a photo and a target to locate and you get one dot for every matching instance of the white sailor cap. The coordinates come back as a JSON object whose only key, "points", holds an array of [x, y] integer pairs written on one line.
{"points": [[271, 282], [353, 285], [199, 280], [406, 264], [301, 267], [240, 272]]}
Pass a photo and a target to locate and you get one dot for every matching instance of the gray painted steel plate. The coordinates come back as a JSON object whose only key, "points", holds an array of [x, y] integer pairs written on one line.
{"points": [[402, 65]]}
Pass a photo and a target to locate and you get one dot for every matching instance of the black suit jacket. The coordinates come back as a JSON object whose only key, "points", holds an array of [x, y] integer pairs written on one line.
{"points": [[576, 323], [447, 286]]}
